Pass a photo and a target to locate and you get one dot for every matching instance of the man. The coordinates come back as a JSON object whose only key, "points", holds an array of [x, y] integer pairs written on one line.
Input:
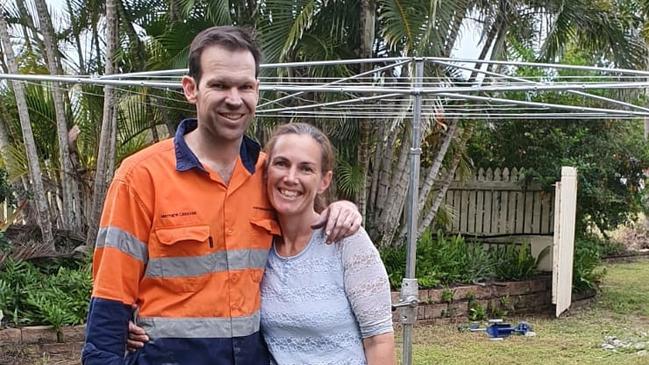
{"points": [[187, 226]]}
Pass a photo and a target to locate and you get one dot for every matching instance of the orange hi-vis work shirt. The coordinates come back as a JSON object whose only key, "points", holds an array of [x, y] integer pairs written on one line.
{"points": [[189, 250]]}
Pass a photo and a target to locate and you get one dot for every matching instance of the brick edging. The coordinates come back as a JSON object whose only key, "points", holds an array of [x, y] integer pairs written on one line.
{"points": [[515, 297], [41, 334]]}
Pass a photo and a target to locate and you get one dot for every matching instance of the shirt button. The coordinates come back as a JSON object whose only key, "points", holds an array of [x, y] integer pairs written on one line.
{"points": [[230, 231]]}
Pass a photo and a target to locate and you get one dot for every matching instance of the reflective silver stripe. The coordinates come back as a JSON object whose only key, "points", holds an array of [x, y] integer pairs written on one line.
{"points": [[123, 241], [198, 265], [164, 327]]}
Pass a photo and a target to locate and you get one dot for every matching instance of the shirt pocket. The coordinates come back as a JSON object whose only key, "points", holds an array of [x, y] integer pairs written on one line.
{"points": [[183, 257], [265, 226]]}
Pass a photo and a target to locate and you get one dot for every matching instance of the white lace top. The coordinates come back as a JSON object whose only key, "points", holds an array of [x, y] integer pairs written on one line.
{"points": [[317, 306]]}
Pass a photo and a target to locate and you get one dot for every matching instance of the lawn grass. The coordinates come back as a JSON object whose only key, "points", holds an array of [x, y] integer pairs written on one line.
{"points": [[576, 338]]}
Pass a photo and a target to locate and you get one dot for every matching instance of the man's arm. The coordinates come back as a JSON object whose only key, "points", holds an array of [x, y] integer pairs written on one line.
{"points": [[105, 332], [118, 263], [342, 220]]}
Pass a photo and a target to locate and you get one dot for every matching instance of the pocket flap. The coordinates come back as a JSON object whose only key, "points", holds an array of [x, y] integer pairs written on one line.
{"points": [[268, 224], [169, 236]]}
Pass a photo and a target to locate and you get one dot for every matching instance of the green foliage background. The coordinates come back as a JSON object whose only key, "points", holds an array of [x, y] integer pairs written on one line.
{"points": [[610, 155]]}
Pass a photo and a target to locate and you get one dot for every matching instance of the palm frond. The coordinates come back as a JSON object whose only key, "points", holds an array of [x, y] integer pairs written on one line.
{"points": [[349, 178]]}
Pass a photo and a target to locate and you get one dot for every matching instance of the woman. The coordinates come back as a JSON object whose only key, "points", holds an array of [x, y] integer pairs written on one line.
{"points": [[321, 304]]}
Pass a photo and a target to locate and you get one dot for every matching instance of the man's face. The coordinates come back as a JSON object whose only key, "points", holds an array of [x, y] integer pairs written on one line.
{"points": [[227, 94]]}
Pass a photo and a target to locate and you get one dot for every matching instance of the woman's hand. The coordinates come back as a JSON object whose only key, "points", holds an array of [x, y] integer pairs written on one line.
{"points": [[379, 349], [342, 219], [136, 337]]}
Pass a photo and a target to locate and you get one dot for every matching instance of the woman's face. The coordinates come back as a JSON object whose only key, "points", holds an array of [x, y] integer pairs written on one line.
{"points": [[295, 174]]}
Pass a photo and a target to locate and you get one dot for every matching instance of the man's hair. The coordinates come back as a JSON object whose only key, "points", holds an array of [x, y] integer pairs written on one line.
{"points": [[228, 37]]}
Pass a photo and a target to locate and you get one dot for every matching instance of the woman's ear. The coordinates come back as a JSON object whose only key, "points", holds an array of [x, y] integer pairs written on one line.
{"points": [[326, 181]]}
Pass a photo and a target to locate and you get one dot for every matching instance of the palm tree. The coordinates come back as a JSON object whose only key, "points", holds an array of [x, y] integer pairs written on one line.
{"points": [[39, 199], [106, 150], [71, 207]]}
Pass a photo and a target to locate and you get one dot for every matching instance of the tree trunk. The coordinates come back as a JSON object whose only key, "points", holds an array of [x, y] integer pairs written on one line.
{"points": [[76, 33], [70, 207], [24, 13], [95, 42], [367, 20], [112, 152], [383, 186], [105, 138], [148, 102], [174, 11], [16, 186], [454, 32], [138, 52], [429, 181], [166, 116], [441, 194], [376, 166], [39, 197], [398, 192]]}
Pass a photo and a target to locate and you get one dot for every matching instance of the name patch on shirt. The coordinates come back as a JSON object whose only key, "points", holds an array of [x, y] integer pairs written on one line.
{"points": [[177, 214]]}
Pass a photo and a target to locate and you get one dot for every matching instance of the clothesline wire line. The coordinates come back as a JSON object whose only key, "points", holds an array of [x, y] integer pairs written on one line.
{"points": [[370, 89]]}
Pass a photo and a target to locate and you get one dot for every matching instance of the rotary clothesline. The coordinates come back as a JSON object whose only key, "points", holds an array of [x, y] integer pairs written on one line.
{"points": [[456, 110], [371, 94]]}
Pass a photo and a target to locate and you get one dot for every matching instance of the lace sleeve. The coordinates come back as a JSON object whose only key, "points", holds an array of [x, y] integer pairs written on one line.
{"points": [[367, 285]]}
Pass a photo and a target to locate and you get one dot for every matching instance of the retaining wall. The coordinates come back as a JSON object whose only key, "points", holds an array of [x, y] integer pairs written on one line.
{"points": [[506, 298]]}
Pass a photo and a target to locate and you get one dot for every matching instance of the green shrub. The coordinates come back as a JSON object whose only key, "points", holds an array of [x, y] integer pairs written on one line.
{"points": [[44, 295], [513, 262], [476, 311], [394, 259], [605, 247], [451, 260], [586, 272], [447, 295]]}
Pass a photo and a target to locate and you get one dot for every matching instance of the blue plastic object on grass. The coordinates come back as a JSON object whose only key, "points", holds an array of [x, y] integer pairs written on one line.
{"points": [[497, 329], [501, 329]]}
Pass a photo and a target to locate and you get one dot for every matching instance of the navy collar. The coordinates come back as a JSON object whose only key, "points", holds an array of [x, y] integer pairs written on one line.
{"points": [[187, 160]]}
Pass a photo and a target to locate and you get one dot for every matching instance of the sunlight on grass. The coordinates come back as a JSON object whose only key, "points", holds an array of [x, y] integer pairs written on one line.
{"points": [[576, 338]]}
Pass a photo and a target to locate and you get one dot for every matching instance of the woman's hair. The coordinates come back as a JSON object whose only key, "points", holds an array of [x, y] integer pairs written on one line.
{"points": [[327, 152]]}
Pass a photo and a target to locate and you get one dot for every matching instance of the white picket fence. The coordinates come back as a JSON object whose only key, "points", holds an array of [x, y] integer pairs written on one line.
{"points": [[497, 202]]}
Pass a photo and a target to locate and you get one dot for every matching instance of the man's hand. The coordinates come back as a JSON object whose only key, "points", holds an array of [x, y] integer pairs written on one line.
{"points": [[342, 219], [136, 337]]}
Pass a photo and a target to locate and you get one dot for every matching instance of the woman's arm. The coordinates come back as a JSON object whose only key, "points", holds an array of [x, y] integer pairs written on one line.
{"points": [[379, 349], [368, 291]]}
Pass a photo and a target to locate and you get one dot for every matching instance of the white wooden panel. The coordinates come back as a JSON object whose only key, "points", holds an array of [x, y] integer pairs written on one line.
{"points": [[520, 212], [479, 219], [471, 212], [568, 208], [464, 210], [529, 207], [495, 211], [456, 211], [486, 225], [511, 213], [555, 242]]}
